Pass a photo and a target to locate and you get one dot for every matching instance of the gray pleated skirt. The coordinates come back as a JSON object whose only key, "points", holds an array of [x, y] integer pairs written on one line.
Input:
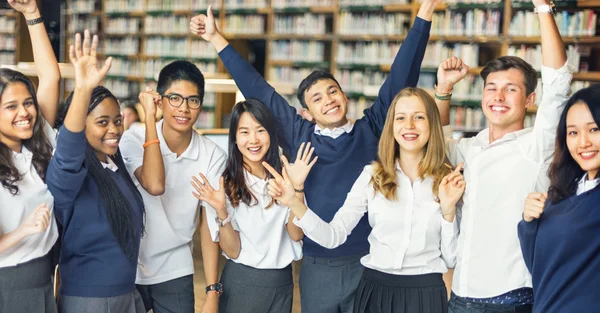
{"points": [[127, 303], [250, 290], [386, 293], [27, 287]]}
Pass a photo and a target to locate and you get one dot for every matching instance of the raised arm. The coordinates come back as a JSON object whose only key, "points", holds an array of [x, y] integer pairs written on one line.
{"points": [[556, 86], [406, 67], [46, 65], [249, 81]]}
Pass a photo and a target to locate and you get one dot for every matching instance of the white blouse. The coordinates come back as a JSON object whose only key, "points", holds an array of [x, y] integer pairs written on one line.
{"points": [[264, 240], [15, 209], [409, 235]]}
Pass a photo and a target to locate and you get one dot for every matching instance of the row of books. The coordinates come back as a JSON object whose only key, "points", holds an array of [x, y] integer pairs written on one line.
{"points": [[122, 25], [79, 23], [167, 5], [302, 24], [286, 74], [120, 46], [82, 6], [279, 4], [245, 4], [371, 2], [7, 24], [439, 51], [355, 81], [7, 57], [532, 54], [570, 24], [470, 23], [351, 23], [167, 24], [297, 50], [122, 6], [152, 67], [7, 42], [245, 24]]}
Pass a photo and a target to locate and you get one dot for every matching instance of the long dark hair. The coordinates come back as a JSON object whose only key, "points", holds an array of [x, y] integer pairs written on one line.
{"points": [[235, 180], [38, 144], [564, 172], [118, 210]]}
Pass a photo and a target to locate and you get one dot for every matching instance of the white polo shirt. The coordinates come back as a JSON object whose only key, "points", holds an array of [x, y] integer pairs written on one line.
{"points": [[264, 240], [172, 218], [15, 209]]}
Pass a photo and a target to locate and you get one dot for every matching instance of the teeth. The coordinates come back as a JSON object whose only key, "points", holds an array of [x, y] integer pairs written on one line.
{"points": [[253, 149], [22, 123], [499, 109], [183, 119], [588, 153], [111, 141], [410, 136], [332, 111]]}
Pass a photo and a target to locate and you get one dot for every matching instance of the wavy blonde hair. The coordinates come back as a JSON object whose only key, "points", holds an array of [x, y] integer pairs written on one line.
{"points": [[434, 163]]}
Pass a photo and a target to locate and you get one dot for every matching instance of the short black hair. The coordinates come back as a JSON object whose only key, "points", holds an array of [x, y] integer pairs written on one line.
{"points": [[180, 70], [310, 80], [508, 62]]}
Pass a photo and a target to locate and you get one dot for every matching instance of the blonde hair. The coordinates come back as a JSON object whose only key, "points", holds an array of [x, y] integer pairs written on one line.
{"points": [[434, 163]]}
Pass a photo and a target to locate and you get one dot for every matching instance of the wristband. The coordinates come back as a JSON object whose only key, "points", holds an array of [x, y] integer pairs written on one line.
{"points": [[299, 190], [34, 21], [216, 287], [149, 142], [443, 97]]}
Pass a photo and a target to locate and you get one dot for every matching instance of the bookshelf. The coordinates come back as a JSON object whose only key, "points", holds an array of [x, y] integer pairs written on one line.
{"points": [[355, 40]]}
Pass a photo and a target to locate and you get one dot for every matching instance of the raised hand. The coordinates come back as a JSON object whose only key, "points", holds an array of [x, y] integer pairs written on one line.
{"points": [[24, 6], [205, 192], [149, 100], [298, 171], [534, 206], [204, 25], [450, 72], [280, 187], [83, 57], [37, 221], [451, 189], [537, 3]]}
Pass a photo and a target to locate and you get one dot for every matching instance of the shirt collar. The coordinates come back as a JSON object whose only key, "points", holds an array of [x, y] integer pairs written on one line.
{"points": [[585, 184], [110, 165], [484, 135], [192, 150], [255, 183], [336, 132]]}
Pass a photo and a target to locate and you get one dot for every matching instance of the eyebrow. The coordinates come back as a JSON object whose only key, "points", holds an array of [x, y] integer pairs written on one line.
{"points": [[590, 123], [409, 112], [16, 101], [107, 117]]}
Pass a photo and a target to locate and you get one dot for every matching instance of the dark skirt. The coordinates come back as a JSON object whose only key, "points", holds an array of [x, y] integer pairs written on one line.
{"points": [[251, 290], [27, 287], [386, 293], [127, 303]]}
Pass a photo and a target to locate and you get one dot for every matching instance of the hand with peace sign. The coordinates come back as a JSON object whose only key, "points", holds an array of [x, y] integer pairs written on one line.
{"points": [[205, 192], [534, 205], [450, 190], [298, 171], [280, 187]]}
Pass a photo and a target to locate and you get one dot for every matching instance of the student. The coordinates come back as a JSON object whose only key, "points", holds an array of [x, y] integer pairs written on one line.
{"points": [[559, 236], [503, 163], [96, 203], [410, 195], [131, 118], [344, 148], [28, 231], [162, 158], [256, 233]]}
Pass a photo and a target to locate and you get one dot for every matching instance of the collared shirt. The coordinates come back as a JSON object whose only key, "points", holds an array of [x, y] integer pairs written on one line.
{"points": [[264, 240], [499, 177], [409, 235], [172, 218], [336, 132], [15, 209], [110, 165], [586, 185]]}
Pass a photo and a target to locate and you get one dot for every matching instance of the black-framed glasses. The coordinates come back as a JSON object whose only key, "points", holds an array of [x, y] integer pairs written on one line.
{"points": [[176, 100]]}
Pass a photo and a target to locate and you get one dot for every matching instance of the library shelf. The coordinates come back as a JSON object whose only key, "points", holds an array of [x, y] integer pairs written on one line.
{"points": [[372, 37]]}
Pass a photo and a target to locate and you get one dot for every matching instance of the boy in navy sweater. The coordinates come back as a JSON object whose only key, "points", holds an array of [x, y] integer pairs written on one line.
{"points": [[329, 277]]}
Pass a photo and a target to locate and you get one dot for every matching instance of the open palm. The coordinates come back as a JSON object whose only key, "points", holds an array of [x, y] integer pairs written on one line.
{"points": [[84, 60], [205, 192], [298, 171]]}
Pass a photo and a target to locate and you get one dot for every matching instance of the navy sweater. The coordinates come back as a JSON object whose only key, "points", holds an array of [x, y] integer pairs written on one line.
{"points": [[562, 252], [92, 263], [341, 160]]}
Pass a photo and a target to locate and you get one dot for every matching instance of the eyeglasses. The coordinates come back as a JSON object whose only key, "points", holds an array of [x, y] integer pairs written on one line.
{"points": [[176, 100]]}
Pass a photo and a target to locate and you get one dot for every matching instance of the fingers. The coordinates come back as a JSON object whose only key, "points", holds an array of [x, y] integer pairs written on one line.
{"points": [[306, 151], [459, 167], [106, 67], [285, 174], [209, 12], [313, 162], [198, 185], [300, 151], [94, 46], [222, 183], [206, 183], [86, 42], [78, 52], [272, 170], [285, 162], [274, 190]]}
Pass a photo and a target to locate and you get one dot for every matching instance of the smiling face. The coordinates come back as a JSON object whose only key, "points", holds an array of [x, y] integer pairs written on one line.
{"points": [[327, 103], [18, 115], [505, 99], [104, 127], [182, 118], [252, 140], [411, 125], [583, 139]]}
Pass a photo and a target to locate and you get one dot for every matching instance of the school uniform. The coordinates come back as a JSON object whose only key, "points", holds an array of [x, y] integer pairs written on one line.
{"points": [[561, 251], [260, 278], [26, 268], [93, 267], [166, 267], [411, 245]]}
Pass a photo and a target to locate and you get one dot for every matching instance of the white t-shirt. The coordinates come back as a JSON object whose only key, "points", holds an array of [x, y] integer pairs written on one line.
{"points": [[264, 240], [15, 209], [172, 218]]}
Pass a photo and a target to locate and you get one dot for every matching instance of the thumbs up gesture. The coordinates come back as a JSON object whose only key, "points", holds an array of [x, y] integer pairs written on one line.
{"points": [[204, 25]]}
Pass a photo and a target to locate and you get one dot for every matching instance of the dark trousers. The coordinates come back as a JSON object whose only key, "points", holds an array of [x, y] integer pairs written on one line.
{"points": [[173, 296], [459, 305]]}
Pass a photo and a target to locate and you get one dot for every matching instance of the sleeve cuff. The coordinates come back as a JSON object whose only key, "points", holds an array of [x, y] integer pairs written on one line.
{"points": [[309, 221], [528, 228], [449, 229], [550, 75]]}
